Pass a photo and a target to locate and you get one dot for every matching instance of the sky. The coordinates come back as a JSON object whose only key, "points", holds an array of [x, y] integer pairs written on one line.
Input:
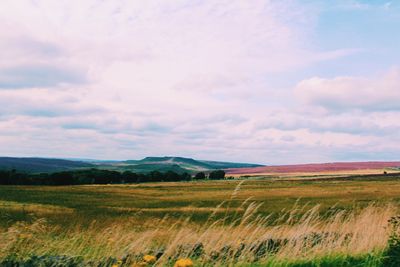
{"points": [[271, 82]]}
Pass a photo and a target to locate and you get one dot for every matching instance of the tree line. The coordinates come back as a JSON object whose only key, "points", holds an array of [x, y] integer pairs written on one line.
{"points": [[98, 176]]}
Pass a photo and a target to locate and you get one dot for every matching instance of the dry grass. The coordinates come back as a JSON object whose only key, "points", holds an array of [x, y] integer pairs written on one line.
{"points": [[319, 174], [38, 209], [293, 237], [235, 223]]}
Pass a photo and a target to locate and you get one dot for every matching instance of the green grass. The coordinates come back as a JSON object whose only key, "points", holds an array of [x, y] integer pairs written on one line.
{"points": [[91, 209], [158, 199]]}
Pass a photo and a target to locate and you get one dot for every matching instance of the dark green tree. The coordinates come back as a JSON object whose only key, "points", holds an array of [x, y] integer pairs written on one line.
{"points": [[217, 175], [200, 176]]}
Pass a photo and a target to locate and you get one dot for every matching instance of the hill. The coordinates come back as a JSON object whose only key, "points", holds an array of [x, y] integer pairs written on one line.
{"points": [[148, 164], [177, 164], [145, 168], [186, 163], [41, 164], [318, 167], [227, 165]]}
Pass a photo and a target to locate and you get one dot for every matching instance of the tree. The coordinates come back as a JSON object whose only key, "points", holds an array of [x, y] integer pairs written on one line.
{"points": [[200, 176], [171, 176], [5, 177], [186, 176], [217, 175], [130, 177], [62, 178], [154, 176]]}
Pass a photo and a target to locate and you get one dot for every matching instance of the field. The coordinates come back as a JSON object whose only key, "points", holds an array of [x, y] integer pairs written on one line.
{"points": [[257, 222], [320, 168]]}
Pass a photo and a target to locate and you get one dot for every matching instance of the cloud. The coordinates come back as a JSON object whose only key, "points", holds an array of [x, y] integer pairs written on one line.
{"points": [[128, 79], [29, 62], [379, 93], [45, 103], [353, 5], [35, 76]]}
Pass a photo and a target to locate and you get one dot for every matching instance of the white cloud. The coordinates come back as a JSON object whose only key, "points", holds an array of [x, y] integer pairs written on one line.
{"points": [[344, 93], [127, 79]]}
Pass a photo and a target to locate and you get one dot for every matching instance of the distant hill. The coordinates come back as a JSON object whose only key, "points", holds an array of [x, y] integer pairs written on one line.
{"points": [[145, 168], [148, 164], [185, 164], [40, 164], [227, 165], [318, 167]]}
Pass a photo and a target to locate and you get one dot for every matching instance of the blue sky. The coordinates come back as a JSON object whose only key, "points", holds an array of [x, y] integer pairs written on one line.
{"points": [[271, 82]]}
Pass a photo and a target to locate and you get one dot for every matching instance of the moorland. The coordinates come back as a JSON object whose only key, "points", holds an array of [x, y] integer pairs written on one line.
{"points": [[312, 220]]}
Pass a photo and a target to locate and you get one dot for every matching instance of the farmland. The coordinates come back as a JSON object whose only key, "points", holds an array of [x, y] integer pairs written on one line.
{"points": [[107, 220]]}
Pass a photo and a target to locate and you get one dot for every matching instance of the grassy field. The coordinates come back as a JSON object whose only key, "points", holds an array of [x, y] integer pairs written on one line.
{"points": [[308, 223]]}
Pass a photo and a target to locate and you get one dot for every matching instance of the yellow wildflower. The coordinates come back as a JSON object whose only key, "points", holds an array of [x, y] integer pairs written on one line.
{"points": [[118, 264], [184, 263], [149, 259]]}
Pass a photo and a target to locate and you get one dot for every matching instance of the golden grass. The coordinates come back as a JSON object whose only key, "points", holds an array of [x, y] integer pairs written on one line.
{"points": [[188, 209], [317, 174], [37, 209], [305, 237], [250, 214]]}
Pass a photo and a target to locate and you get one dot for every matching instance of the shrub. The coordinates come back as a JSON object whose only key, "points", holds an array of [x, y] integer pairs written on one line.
{"points": [[200, 176], [217, 175], [392, 253]]}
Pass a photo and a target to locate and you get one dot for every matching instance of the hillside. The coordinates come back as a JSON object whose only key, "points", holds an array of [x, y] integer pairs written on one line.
{"points": [[227, 165], [148, 164], [177, 164], [317, 167], [40, 164], [186, 163], [192, 164], [181, 164], [145, 168]]}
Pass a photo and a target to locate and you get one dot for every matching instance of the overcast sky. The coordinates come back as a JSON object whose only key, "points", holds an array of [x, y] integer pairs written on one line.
{"points": [[270, 82]]}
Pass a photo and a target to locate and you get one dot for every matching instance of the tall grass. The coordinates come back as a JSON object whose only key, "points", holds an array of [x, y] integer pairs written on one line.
{"points": [[298, 235]]}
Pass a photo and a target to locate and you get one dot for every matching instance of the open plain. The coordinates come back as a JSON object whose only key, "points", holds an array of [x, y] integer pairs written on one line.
{"points": [[208, 221]]}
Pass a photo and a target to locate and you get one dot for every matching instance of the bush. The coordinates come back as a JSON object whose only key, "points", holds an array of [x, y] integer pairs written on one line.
{"points": [[217, 175], [200, 176], [392, 253], [44, 260], [89, 176]]}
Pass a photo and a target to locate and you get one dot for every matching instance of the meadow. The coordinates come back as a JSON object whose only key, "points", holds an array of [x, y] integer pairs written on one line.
{"points": [[241, 222]]}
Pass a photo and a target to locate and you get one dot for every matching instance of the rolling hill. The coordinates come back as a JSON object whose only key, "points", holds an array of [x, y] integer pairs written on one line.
{"points": [[177, 164], [41, 164], [148, 164]]}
